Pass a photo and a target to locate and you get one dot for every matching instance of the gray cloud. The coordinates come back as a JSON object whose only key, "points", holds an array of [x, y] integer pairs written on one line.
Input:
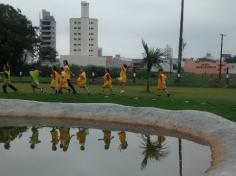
{"points": [[123, 23]]}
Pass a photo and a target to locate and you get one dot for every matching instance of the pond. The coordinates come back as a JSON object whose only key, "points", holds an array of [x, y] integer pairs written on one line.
{"points": [[56, 151]]}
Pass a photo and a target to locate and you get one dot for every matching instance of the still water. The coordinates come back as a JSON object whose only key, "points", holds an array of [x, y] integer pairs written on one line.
{"points": [[47, 151]]}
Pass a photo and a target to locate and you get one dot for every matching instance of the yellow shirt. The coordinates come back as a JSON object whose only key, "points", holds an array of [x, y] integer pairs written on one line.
{"points": [[107, 81], [63, 80], [81, 80], [67, 72], [55, 79], [123, 77], [161, 82]]}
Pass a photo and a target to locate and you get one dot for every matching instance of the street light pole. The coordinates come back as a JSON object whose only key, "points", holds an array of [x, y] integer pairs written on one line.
{"points": [[180, 40], [221, 53]]}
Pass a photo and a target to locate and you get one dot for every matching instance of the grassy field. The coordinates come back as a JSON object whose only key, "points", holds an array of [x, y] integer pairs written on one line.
{"points": [[216, 100]]}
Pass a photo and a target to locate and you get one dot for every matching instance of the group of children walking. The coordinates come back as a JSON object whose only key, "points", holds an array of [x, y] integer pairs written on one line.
{"points": [[61, 80]]}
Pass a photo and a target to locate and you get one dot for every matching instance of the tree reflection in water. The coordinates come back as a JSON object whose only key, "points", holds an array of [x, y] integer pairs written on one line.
{"points": [[152, 150], [8, 134]]}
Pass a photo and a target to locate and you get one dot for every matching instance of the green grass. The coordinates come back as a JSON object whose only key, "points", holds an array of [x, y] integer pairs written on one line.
{"points": [[216, 100]]}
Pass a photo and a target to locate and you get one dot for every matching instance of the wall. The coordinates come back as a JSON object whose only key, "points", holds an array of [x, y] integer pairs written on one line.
{"points": [[84, 60]]}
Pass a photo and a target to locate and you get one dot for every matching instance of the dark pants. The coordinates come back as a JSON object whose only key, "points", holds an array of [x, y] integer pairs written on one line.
{"points": [[4, 88], [71, 86]]}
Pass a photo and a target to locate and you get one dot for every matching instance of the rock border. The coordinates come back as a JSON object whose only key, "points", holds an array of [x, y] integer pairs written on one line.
{"points": [[205, 127]]}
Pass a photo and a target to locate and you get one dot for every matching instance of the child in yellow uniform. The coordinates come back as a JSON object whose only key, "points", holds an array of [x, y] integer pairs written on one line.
{"points": [[68, 74], [123, 141], [63, 81], [161, 83], [55, 80], [82, 80], [34, 75], [107, 81], [7, 79], [123, 77]]}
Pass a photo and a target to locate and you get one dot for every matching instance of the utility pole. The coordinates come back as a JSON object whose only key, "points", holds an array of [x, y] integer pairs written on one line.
{"points": [[221, 53], [180, 40]]}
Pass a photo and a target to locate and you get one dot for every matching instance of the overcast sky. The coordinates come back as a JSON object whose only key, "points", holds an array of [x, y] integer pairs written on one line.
{"points": [[123, 23]]}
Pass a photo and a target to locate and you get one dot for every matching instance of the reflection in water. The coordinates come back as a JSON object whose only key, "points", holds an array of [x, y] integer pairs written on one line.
{"points": [[8, 134], [152, 150], [34, 139], [153, 147], [123, 141], [81, 137], [65, 138], [106, 138], [55, 138], [180, 157]]}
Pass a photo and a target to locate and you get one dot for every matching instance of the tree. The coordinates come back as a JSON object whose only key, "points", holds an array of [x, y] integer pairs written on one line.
{"points": [[230, 59], [151, 57], [17, 36], [47, 54]]}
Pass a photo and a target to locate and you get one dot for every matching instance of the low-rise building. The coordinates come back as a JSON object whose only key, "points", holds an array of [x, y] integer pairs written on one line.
{"points": [[232, 68], [204, 66], [117, 61]]}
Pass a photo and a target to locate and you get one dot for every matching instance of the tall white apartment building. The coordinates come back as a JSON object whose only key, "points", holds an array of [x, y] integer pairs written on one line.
{"points": [[47, 30], [84, 33]]}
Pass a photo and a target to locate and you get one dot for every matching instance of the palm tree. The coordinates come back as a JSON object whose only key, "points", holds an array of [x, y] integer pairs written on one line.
{"points": [[151, 150], [152, 57]]}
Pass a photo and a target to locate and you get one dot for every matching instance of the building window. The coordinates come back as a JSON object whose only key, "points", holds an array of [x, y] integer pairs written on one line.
{"points": [[75, 22], [75, 27], [90, 33], [91, 39], [75, 44], [91, 22], [90, 44], [46, 23], [75, 33], [91, 28], [46, 28], [46, 33], [75, 50], [75, 38], [90, 50], [79, 38], [79, 33]]}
